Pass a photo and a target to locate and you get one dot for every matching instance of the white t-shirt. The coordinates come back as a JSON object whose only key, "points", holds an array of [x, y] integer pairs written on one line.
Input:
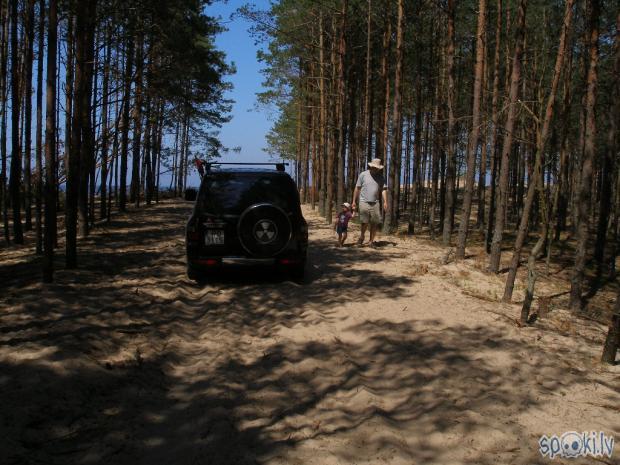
{"points": [[370, 186]]}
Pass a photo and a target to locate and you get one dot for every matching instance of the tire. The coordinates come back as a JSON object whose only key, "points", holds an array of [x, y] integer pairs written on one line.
{"points": [[195, 275], [264, 230], [298, 272]]}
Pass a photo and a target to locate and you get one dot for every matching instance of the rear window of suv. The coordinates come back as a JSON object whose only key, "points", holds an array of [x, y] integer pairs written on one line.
{"points": [[234, 192]]}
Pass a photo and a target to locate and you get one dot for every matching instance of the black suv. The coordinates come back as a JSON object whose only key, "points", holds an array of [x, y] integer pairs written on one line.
{"points": [[246, 217]]}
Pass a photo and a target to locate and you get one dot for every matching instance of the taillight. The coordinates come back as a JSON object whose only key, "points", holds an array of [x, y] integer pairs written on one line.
{"points": [[207, 261]]}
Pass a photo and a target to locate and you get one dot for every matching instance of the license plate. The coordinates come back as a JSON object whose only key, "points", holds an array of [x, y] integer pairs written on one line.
{"points": [[214, 237]]}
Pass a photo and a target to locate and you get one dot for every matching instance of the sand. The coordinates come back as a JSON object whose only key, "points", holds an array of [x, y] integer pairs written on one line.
{"points": [[381, 356]]}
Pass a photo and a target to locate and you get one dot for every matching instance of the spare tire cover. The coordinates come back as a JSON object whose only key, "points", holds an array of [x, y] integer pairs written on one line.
{"points": [[264, 230]]}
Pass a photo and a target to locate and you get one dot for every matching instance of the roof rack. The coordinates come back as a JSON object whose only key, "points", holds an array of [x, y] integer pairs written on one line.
{"points": [[280, 166]]}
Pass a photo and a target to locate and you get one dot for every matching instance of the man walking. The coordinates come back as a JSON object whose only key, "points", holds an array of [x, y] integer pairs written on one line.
{"points": [[371, 189]]}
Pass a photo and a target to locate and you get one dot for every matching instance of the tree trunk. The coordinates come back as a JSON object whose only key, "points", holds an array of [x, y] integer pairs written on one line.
{"points": [[584, 195], [322, 116], [482, 176], [531, 263], [472, 146], [16, 159], [3, 125], [608, 163], [69, 90], [451, 162], [114, 159], [125, 134], [50, 145], [541, 142], [494, 129], [39, 135], [391, 223], [87, 151], [612, 146], [104, 124], [435, 163], [612, 341], [380, 138], [341, 147], [160, 135], [74, 169], [28, 61], [563, 189], [134, 195], [368, 86], [502, 200]]}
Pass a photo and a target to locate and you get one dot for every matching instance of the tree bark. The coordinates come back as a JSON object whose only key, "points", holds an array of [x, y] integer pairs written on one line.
{"points": [[391, 223], [16, 159], [3, 125], [39, 135], [50, 145], [322, 116], [73, 159], [134, 195], [125, 125], [28, 62], [472, 146], [584, 194], [494, 128], [104, 124], [368, 86], [541, 142], [451, 156], [87, 150], [502, 200], [612, 341], [608, 163], [384, 101], [341, 146]]}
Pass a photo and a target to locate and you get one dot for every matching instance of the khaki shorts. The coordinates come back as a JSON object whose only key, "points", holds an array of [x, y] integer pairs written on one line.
{"points": [[370, 213]]}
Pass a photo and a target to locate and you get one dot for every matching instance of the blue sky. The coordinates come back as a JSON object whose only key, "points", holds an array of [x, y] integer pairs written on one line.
{"points": [[248, 126]]}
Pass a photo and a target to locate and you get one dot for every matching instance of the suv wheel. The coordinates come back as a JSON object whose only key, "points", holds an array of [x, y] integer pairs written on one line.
{"points": [[297, 272], [264, 230], [194, 275]]}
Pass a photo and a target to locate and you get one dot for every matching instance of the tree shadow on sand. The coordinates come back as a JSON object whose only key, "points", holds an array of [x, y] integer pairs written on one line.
{"points": [[126, 361], [406, 393]]}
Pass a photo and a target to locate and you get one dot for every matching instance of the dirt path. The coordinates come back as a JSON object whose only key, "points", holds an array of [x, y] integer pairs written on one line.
{"points": [[379, 357]]}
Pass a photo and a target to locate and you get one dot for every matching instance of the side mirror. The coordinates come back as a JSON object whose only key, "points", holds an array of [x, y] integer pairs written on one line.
{"points": [[191, 194]]}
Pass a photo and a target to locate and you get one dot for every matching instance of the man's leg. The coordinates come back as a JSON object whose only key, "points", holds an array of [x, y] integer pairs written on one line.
{"points": [[362, 233], [373, 231], [375, 221], [344, 238]]}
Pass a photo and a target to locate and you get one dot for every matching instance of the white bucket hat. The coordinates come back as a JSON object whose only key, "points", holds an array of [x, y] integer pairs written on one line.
{"points": [[375, 163], [347, 204]]}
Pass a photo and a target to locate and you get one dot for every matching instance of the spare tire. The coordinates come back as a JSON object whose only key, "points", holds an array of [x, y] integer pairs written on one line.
{"points": [[264, 230]]}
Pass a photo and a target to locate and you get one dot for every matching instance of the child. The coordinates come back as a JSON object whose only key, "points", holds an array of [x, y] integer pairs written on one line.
{"points": [[342, 223]]}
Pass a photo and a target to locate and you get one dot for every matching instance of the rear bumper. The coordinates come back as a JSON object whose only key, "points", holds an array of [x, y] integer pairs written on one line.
{"points": [[209, 263]]}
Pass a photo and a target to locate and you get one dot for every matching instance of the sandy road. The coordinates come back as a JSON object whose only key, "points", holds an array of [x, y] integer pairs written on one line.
{"points": [[379, 357]]}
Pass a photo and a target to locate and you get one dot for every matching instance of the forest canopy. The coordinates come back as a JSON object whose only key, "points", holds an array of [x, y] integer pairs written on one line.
{"points": [[126, 91], [497, 120]]}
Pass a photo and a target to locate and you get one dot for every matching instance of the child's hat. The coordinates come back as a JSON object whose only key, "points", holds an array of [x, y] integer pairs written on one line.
{"points": [[346, 204]]}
